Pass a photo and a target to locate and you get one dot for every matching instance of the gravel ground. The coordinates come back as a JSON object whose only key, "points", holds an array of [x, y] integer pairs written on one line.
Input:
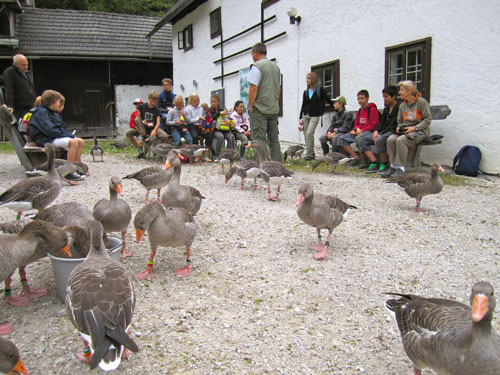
{"points": [[256, 301]]}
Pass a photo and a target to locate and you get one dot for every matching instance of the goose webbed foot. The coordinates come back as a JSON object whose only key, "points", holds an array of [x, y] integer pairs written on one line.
{"points": [[84, 355], [125, 253], [318, 247], [6, 328], [184, 271], [145, 275], [18, 301], [322, 253]]}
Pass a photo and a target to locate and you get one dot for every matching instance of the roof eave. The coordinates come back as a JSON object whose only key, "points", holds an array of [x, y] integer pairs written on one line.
{"points": [[180, 9]]}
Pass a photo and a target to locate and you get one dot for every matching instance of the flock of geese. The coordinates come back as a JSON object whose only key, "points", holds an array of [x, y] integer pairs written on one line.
{"points": [[444, 335]]}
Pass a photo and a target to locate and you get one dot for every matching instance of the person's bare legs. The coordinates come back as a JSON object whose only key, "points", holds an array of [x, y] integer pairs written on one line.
{"points": [[370, 155], [351, 152], [75, 149]]}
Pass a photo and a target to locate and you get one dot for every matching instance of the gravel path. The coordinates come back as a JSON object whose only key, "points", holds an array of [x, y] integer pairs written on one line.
{"points": [[256, 301]]}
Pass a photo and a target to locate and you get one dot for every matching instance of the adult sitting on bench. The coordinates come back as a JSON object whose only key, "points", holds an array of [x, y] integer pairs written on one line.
{"points": [[47, 126], [414, 121]]}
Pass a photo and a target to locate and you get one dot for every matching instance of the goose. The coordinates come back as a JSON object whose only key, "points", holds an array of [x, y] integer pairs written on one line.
{"points": [[322, 212], [120, 145], [165, 227], [73, 217], [34, 193], [100, 302], [63, 168], [154, 177], [229, 155], [447, 336], [418, 185], [29, 245], [12, 227], [332, 158], [244, 169], [272, 172], [96, 150], [193, 151], [292, 152], [10, 360], [176, 195], [162, 150], [114, 214]]}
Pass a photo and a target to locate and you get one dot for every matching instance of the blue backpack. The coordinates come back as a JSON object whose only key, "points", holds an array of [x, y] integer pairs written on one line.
{"points": [[466, 162]]}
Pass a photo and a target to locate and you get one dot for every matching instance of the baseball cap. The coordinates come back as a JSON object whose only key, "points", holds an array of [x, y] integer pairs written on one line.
{"points": [[340, 99], [139, 100]]}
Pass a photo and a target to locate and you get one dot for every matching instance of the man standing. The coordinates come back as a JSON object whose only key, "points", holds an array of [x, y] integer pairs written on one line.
{"points": [[263, 101], [19, 90]]}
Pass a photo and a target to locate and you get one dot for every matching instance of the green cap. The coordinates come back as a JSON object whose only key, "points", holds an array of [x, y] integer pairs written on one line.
{"points": [[340, 99]]}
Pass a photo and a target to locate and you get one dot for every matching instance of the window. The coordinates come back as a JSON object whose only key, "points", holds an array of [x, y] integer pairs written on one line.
{"points": [[180, 40], [329, 78], [187, 36], [410, 61], [215, 23], [4, 22], [266, 3]]}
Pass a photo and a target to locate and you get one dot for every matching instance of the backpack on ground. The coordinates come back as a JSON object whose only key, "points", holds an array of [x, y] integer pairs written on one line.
{"points": [[466, 161]]}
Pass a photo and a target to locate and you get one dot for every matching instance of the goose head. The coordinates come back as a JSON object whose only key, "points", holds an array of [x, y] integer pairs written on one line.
{"points": [[51, 238], [115, 184], [305, 191], [483, 302], [145, 217], [230, 174]]}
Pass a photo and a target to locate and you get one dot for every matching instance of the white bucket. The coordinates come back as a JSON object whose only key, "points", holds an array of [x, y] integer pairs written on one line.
{"points": [[63, 266]]}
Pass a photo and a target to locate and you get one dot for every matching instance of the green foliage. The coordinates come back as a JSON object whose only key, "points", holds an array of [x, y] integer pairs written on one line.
{"points": [[136, 7]]}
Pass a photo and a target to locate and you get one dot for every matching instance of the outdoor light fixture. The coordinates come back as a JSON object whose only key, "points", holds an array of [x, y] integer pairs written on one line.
{"points": [[195, 83], [293, 14], [182, 87]]}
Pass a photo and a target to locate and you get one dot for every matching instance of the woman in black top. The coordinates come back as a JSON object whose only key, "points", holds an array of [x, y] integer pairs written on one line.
{"points": [[313, 105]]}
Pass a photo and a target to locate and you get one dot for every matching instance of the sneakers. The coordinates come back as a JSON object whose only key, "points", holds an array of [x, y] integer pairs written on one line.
{"points": [[217, 160], [398, 173], [383, 167], [374, 167], [73, 177], [140, 154], [389, 172]]}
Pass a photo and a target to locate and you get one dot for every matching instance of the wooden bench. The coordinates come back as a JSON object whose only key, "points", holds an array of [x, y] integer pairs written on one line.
{"points": [[29, 157], [438, 112]]}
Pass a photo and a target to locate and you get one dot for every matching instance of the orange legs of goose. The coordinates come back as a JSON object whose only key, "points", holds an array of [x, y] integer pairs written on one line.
{"points": [[322, 249], [319, 245], [148, 274], [6, 328], [26, 295], [417, 207], [84, 355], [124, 253], [269, 193], [186, 270]]}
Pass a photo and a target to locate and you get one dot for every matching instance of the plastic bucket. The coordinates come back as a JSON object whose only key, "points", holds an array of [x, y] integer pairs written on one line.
{"points": [[63, 266]]}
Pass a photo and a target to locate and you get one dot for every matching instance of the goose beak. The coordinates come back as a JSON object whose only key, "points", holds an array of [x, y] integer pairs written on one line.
{"points": [[300, 199], [19, 368], [138, 234], [167, 165], [67, 251], [226, 180], [119, 189], [440, 168], [479, 307]]}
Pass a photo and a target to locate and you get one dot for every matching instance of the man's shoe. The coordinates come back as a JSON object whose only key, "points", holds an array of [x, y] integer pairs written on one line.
{"points": [[73, 177], [374, 167], [217, 160], [383, 167], [389, 172], [398, 173], [362, 165]]}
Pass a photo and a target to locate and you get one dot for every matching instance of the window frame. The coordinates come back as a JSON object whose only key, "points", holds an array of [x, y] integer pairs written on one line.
{"points": [[335, 88], [425, 45], [216, 17], [188, 37], [266, 3], [180, 40]]}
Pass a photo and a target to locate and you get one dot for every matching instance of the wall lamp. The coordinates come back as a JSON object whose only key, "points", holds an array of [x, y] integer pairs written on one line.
{"points": [[294, 16], [195, 83], [182, 87]]}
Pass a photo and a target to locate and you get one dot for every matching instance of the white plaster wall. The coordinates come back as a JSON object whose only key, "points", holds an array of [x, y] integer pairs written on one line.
{"points": [[465, 57], [124, 99]]}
